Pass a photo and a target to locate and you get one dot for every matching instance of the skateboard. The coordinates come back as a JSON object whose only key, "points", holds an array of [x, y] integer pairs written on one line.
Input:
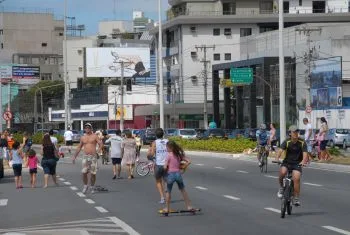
{"points": [[192, 211], [99, 188]]}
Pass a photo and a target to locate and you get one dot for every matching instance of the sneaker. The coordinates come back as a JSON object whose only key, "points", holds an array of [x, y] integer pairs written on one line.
{"points": [[280, 193], [162, 201], [93, 190], [114, 177], [296, 201], [260, 164], [85, 189]]}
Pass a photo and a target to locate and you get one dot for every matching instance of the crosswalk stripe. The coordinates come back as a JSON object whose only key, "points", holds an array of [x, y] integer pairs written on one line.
{"points": [[3, 202], [101, 209]]}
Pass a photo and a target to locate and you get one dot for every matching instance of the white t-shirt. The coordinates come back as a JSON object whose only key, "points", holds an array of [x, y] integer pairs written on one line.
{"points": [[54, 140], [68, 135], [308, 131], [161, 151], [116, 142]]}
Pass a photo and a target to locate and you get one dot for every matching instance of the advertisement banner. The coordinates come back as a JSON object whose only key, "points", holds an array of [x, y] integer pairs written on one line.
{"points": [[106, 62], [114, 113], [5, 71], [26, 75]]}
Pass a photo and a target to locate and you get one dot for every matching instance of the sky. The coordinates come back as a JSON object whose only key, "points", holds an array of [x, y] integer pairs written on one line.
{"points": [[89, 12]]}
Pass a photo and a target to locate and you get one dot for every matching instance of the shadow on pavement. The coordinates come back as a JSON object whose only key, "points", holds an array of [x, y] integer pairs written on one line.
{"points": [[309, 213]]}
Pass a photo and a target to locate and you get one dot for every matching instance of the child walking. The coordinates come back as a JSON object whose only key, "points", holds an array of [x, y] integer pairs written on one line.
{"points": [[173, 164], [32, 164], [17, 161]]}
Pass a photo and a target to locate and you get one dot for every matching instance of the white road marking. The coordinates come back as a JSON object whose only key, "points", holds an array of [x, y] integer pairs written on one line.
{"points": [[272, 209], [271, 176], [101, 209], [338, 230], [232, 197], [244, 172], [219, 167], [67, 183], [124, 226], [3, 202], [199, 164], [73, 188], [201, 188], [61, 179], [81, 194], [89, 201], [316, 185]]}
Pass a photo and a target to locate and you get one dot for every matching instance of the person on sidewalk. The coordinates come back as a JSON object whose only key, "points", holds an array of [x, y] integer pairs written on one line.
{"points": [[129, 153], [158, 150], [172, 165], [308, 137], [33, 166], [27, 144], [89, 142], [49, 160], [68, 138], [17, 161], [116, 152], [53, 139]]}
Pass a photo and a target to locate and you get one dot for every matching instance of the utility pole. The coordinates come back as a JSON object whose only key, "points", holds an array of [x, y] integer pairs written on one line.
{"points": [[9, 103], [205, 76], [65, 76], [160, 66], [122, 97]]}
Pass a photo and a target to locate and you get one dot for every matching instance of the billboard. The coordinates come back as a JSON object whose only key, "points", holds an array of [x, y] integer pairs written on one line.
{"points": [[5, 71], [26, 75], [106, 62], [326, 82], [128, 112]]}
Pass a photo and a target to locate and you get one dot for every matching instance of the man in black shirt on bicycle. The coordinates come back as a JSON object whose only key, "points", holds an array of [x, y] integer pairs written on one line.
{"points": [[295, 156]]}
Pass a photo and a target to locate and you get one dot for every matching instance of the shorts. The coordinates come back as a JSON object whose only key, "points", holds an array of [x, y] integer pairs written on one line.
{"points": [[89, 164], [49, 166], [309, 146], [273, 144], [17, 169], [323, 144], [33, 171], [159, 172], [116, 161], [293, 166], [172, 178], [69, 142]]}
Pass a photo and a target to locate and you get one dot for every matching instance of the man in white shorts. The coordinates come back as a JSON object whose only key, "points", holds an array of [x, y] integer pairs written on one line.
{"points": [[116, 152]]}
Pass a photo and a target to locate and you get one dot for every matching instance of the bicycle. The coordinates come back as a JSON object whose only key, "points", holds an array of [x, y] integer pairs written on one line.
{"points": [[143, 168], [264, 151], [288, 191]]}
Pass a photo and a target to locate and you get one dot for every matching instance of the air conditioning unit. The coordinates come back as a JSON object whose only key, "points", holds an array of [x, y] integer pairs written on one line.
{"points": [[194, 78], [193, 54], [227, 32], [193, 29], [80, 51], [80, 69]]}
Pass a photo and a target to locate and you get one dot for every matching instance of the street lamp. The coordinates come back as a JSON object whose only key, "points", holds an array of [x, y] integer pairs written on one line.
{"points": [[160, 67], [281, 72], [269, 85]]}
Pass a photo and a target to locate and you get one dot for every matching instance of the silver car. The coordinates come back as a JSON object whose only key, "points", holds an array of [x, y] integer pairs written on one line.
{"points": [[187, 133], [338, 137]]}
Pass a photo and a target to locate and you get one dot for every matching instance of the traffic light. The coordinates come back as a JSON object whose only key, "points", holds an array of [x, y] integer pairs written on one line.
{"points": [[128, 85]]}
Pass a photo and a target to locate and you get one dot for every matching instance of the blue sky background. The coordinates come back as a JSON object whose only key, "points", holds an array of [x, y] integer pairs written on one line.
{"points": [[90, 12]]}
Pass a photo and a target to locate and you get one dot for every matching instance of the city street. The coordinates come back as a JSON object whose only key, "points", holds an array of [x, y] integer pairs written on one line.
{"points": [[234, 196]]}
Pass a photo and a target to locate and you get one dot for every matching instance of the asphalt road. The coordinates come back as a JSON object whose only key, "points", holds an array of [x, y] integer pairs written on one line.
{"points": [[234, 196]]}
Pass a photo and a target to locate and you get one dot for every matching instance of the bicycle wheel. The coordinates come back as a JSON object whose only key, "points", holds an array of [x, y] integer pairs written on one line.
{"points": [[142, 168], [289, 205], [262, 162], [265, 162], [283, 207], [289, 208]]}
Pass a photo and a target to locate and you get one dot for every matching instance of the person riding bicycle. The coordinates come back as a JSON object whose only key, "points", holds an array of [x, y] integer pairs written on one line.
{"points": [[295, 157], [262, 139]]}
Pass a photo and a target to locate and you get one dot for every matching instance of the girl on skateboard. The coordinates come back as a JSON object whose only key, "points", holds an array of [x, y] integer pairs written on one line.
{"points": [[175, 163]]}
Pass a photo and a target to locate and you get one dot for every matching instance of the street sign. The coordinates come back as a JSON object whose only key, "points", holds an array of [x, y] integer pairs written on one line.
{"points": [[308, 109], [242, 76], [7, 115]]}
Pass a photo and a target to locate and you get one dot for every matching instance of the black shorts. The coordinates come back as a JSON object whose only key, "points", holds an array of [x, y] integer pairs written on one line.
{"points": [[292, 166], [159, 172], [49, 166], [323, 144], [116, 161], [69, 142], [17, 169], [33, 171]]}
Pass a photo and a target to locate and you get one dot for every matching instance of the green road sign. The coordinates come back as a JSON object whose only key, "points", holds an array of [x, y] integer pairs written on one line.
{"points": [[243, 76]]}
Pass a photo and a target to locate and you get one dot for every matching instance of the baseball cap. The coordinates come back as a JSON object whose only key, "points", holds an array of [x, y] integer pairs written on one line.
{"points": [[88, 125], [293, 128]]}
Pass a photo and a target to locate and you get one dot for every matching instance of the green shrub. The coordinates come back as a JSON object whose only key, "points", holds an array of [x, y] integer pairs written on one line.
{"points": [[37, 138], [216, 144], [334, 151]]}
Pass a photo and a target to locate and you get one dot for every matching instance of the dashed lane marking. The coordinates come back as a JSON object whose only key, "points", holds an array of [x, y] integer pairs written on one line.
{"points": [[89, 201], [81, 194], [272, 209], [201, 188], [199, 164], [244, 172], [61, 179], [219, 167], [232, 197], [3, 202], [67, 183], [101, 209], [316, 185], [271, 176], [338, 230], [73, 188]]}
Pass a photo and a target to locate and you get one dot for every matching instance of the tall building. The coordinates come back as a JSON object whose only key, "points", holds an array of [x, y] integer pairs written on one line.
{"points": [[140, 22]]}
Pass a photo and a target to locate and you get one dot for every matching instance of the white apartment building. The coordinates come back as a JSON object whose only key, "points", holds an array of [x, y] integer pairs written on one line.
{"points": [[219, 25]]}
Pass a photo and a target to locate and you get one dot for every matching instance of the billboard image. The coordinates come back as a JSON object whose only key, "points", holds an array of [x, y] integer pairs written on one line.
{"points": [[106, 62], [127, 112]]}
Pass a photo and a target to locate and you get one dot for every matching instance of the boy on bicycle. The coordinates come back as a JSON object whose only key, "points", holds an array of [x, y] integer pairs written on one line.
{"points": [[295, 156], [262, 139]]}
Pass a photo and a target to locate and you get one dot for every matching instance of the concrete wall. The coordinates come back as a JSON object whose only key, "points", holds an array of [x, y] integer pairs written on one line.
{"points": [[106, 27]]}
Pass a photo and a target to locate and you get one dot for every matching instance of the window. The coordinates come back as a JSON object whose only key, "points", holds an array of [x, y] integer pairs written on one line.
{"points": [[216, 56], [229, 8], [44, 44], [1, 31], [80, 84], [60, 34], [2, 45], [245, 32], [46, 76], [285, 7], [300, 2], [266, 7], [227, 56], [227, 31], [216, 32]]}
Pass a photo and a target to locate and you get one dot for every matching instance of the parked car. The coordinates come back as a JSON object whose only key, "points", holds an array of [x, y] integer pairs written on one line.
{"points": [[236, 133], [187, 133], [338, 137], [148, 136], [200, 132], [250, 133], [210, 133], [76, 136], [171, 132]]}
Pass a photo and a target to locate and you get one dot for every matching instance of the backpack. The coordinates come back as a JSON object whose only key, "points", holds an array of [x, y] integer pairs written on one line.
{"points": [[29, 142], [263, 138]]}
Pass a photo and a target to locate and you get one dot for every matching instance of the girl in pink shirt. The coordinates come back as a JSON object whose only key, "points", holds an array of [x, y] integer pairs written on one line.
{"points": [[32, 165], [175, 163]]}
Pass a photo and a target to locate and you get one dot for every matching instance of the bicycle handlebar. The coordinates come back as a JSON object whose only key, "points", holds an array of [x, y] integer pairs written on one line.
{"points": [[280, 162]]}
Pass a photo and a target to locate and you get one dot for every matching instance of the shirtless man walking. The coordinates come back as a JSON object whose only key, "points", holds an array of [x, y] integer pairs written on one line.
{"points": [[88, 142]]}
